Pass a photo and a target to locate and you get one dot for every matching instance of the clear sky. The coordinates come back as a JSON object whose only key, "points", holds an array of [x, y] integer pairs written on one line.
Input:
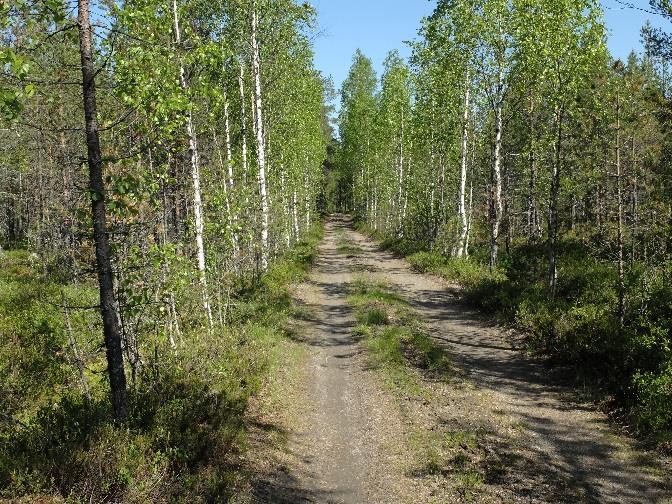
{"points": [[377, 26]]}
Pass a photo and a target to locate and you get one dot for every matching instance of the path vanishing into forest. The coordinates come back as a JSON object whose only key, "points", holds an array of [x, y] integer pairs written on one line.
{"points": [[354, 440]]}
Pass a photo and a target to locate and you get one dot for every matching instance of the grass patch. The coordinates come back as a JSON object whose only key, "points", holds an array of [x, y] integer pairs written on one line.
{"points": [[395, 340], [366, 292], [455, 454], [348, 248], [373, 317]]}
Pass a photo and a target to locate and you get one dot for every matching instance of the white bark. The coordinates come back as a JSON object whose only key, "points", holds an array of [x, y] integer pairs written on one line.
{"points": [[442, 184], [405, 208], [462, 247], [306, 184], [261, 148], [243, 118], [400, 195], [196, 178], [375, 207], [229, 163], [296, 215], [285, 206], [497, 186], [471, 216], [225, 188], [229, 153]]}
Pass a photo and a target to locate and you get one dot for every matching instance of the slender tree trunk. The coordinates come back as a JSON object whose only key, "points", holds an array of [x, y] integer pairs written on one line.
{"points": [[75, 349], [225, 187], [108, 309], [285, 206], [295, 214], [496, 201], [553, 206], [306, 185], [533, 228], [243, 120], [508, 218], [400, 191], [196, 179], [471, 216], [375, 207], [442, 187], [229, 152], [462, 246], [635, 205], [261, 146], [619, 191], [409, 166], [232, 214]]}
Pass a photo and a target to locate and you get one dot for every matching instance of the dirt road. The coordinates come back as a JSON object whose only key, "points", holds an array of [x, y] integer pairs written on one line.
{"points": [[352, 444]]}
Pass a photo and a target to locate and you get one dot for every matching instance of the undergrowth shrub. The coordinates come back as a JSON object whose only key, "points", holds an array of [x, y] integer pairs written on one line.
{"points": [[580, 326], [654, 394], [186, 428]]}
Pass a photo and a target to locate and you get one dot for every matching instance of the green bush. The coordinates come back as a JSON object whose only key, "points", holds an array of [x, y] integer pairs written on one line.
{"points": [[178, 424], [654, 394], [185, 429], [580, 324], [426, 262]]}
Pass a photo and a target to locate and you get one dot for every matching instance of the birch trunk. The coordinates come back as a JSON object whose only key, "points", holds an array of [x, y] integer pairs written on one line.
{"points": [[533, 227], [285, 207], [232, 214], [553, 206], [225, 187], [172, 322], [497, 187], [408, 172], [400, 192], [462, 246], [295, 211], [196, 179], [306, 185], [471, 216], [243, 121], [229, 153], [261, 146]]}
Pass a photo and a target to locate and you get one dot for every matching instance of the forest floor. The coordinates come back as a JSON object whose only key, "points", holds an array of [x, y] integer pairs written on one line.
{"points": [[333, 427]]}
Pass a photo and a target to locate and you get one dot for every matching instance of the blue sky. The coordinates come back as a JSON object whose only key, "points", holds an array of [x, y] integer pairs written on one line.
{"points": [[377, 26]]}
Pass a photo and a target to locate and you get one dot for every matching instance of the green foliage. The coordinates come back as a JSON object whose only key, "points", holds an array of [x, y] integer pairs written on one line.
{"points": [[37, 362], [654, 396], [461, 271], [185, 431], [181, 426], [579, 325]]}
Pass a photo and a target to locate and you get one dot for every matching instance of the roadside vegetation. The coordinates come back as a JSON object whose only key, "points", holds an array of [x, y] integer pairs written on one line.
{"points": [[161, 168], [629, 367], [186, 426], [513, 155]]}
